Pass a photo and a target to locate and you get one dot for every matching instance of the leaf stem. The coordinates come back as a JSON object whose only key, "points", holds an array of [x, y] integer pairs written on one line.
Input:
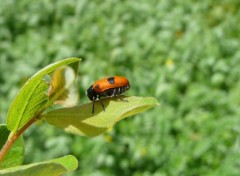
{"points": [[13, 137]]}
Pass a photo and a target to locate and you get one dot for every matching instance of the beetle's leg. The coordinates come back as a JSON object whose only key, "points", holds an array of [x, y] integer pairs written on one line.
{"points": [[93, 105], [102, 104], [124, 100]]}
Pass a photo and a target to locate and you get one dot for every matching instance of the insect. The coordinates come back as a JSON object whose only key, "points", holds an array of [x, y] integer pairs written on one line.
{"points": [[107, 87]]}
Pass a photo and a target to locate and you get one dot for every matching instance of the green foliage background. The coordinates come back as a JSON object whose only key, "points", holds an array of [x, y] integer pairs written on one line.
{"points": [[185, 53]]}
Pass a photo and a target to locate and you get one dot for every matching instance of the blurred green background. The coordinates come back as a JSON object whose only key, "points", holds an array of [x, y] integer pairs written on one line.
{"points": [[183, 52]]}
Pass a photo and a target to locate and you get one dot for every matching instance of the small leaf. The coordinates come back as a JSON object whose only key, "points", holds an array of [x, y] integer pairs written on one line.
{"points": [[32, 98], [15, 155], [62, 89], [69, 162], [56, 167], [80, 120]]}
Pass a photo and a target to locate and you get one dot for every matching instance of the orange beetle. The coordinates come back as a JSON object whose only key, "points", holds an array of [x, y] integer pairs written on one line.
{"points": [[107, 87]]}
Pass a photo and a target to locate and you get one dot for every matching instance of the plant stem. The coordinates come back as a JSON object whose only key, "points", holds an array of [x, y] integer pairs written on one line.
{"points": [[13, 137]]}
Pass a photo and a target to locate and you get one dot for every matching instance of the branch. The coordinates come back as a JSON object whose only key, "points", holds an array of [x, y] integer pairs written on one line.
{"points": [[13, 137]]}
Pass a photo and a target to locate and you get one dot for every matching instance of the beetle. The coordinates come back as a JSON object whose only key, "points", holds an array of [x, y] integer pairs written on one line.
{"points": [[107, 87]]}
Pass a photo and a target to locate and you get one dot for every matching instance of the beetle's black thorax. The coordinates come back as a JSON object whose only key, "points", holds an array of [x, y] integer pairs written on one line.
{"points": [[91, 93]]}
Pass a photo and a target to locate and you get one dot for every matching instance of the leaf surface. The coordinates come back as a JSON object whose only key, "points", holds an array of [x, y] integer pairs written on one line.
{"points": [[56, 167], [79, 119]]}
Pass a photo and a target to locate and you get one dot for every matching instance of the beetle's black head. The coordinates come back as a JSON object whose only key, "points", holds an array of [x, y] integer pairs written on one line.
{"points": [[91, 93]]}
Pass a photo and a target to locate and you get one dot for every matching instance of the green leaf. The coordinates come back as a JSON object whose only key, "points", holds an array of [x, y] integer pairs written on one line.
{"points": [[57, 166], [32, 97], [79, 119], [15, 155], [62, 90]]}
